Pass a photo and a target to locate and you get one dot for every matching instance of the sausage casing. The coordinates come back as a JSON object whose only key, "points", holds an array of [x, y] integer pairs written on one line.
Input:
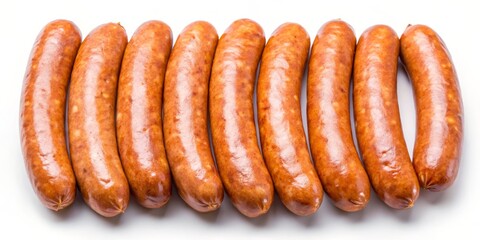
{"points": [[240, 162], [139, 114], [282, 136], [336, 159], [438, 144], [185, 118], [91, 120], [42, 113], [379, 130]]}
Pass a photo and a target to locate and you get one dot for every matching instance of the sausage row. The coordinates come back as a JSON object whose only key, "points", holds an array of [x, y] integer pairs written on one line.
{"points": [[120, 143]]}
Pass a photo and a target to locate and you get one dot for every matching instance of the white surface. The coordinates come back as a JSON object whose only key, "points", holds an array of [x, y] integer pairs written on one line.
{"points": [[436, 215]]}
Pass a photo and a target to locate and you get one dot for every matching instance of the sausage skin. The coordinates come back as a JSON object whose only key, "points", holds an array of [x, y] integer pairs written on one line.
{"points": [[91, 120], [240, 162], [328, 111], [438, 144], [379, 130], [42, 114], [282, 135], [185, 117], [139, 114]]}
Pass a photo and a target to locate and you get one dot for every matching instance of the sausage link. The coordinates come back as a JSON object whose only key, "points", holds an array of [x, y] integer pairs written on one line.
{"points": [[336, 159], [379, 130], [42, 114], [185, 118], [280, 121], [238, 156], [438, 143], [139, 109], [91, 120]]}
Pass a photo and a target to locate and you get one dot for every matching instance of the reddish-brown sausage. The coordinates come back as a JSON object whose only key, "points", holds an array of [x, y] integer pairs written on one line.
{"points": [[336, 159], [91, 120], [282, 136], [379, 130], [240, 162], [139, 112], [42, 113], [185, 118], [438, 144]]}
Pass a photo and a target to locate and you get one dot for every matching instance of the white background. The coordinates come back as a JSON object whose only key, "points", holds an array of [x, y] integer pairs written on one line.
{"points": [[449, 214]]}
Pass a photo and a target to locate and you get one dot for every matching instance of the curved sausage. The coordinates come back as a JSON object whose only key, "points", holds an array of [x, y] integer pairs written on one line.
{"points": [[91, 120], [336, 159], [379, 130], [282, 136], [185, 118], [438, 143], [42, 114], [240, 162], [139, 112]]}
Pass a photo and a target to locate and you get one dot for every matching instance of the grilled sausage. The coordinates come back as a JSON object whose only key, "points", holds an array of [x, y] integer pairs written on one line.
{"points": [[240, 162], [91, 120], [336, 159], [185, 118], [42, 114], [139, 112], [438, 143], [280, 121], [379, 130]]}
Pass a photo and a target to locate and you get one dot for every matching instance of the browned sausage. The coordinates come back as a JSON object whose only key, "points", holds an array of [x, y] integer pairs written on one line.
{"points": [[238, 156], [282, 136], [91, 120], [42, 113], [336, 159], [185, 118], [139, 109], [379, 130], [438, 144]]}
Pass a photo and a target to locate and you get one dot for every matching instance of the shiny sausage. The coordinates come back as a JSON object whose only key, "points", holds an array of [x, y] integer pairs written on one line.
{"points": [[379, 130], [282, 136], [91, 120], [438, 143], [328, 112], [185, 118], [139, 112], [240, 162], [42, 114]]}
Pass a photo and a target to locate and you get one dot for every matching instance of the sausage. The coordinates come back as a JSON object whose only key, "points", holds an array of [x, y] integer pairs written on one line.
{"points": [[377, 119], [42, 114], [282, 136], [91, 120], [138, 116], [336, 159], [240, 162], [185, 118], [438, 144]]}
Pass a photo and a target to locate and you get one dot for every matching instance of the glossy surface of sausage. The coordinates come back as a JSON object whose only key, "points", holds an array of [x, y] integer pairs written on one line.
{"points": [[139, 114], [240, 162], [42, 114], [377, 118], [91, 120], [282, 135], [438, 143], [336, 159], [185, 118]]}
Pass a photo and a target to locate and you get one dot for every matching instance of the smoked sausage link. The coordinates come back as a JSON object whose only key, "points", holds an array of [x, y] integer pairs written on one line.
{"points": [[240, 162], [282, 136], [336, 159], [42, 114], [438, 144], [377, 118], [91, 120]]}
